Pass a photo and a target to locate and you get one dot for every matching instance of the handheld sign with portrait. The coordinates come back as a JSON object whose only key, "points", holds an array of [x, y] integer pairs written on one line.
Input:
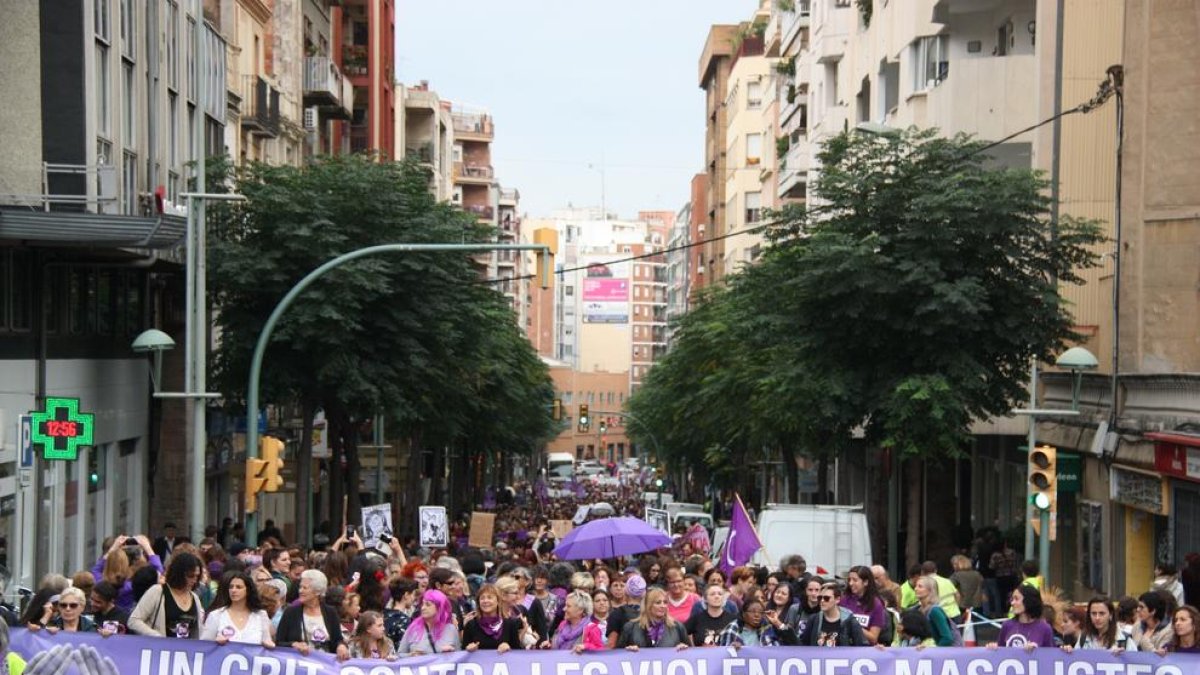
{"points": [[660, 519], [434, 529]]}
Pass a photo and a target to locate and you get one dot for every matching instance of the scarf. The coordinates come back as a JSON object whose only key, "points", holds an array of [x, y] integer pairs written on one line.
{"points": [[655, 632], [491, 625], [566, 635]]}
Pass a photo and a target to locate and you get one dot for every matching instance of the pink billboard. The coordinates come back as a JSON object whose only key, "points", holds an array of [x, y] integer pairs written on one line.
{"points": [[605, 290]]}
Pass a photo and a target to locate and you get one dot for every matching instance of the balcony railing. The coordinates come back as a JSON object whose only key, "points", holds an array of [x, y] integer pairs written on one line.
{"points": [[324, 84], [360, 138], [473, 171], [421, 153], [260, 106], [481, 210], [354, 59], [478, 124]]}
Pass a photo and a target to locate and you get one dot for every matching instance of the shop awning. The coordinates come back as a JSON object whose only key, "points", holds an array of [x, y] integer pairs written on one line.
{"points": [[91, 229], [1176, 437]]}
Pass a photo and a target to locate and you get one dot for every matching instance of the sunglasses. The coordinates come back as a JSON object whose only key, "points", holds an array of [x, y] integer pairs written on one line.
{"points": [[825, 598], [69, 605]]}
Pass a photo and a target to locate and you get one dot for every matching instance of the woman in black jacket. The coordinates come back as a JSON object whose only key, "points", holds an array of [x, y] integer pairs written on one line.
{"points": [[834, 626], [312, 624], [490, 629]]}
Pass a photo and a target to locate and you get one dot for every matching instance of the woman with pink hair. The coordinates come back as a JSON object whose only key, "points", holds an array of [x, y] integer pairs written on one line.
{"points": [[434, 631]]}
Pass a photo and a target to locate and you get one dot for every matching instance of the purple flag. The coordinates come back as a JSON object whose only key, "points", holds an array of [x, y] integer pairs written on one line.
{"points": [[743, 540]]}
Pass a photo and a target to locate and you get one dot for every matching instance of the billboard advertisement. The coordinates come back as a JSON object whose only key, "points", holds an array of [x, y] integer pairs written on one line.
{"points": [[606, 293]]}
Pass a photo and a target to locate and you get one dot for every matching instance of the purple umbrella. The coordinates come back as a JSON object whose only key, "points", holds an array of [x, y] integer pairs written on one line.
{"points": [[609, 538]]}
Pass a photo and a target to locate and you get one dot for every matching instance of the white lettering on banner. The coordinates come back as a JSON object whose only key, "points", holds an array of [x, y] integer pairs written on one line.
{"points": [[594, 668], [728, 666], [183, 663]]}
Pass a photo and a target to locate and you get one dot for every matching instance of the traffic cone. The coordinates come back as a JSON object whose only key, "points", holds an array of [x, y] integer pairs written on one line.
{"points": [[968, 631]]}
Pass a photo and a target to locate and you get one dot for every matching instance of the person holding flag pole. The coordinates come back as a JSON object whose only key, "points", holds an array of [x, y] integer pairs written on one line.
{"points": [[743, 541]]}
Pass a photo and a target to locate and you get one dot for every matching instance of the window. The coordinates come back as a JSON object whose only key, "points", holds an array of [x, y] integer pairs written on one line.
{"points": [[101, 20], [753, 95], [103, 91], [192, 80], [930, 61], [173, 45], [1091, 516], [753, 207], [128, 24], [128, 105], [753, 148], [569, 291], [129, 182]]}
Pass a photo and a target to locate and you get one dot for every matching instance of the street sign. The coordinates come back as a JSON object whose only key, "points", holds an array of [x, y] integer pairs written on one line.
{"points": [[26, 441], [1070, 472], [60, 429]]}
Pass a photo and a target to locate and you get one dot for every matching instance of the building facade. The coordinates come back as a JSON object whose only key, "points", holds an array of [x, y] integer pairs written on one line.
{"points": [[98, 146]]}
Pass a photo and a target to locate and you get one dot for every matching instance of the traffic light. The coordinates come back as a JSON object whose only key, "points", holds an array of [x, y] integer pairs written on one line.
{"points": [[271, 450], [556, 410], [547, 237], [603, 427], [585, 422], [1043, 481], [256, 478]]}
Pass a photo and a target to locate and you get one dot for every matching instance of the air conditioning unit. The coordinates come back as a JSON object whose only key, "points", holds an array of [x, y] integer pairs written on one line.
{"points": [[310, 118]]}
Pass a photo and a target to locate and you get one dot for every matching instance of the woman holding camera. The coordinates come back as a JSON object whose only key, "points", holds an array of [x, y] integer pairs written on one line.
{"points": [[117, 568]]}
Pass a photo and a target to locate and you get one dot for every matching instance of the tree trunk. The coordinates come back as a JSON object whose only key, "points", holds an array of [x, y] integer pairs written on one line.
{"points": [[412, 482], [353, 470], [304, 482], [822, 480], [912, 539], [337, 485], [787, 454]]}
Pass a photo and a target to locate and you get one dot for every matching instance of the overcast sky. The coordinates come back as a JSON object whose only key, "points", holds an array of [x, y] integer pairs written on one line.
{"points": [[572, 83]]}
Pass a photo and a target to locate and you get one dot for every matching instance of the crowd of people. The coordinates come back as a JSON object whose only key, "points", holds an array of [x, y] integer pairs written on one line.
{"points": [[396, 601]]}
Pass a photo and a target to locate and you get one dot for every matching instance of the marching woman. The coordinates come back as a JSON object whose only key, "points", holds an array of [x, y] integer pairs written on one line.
{"points": [[601, 608], [834, 625], [1100, 629], [753, 628], [654, 628], [930, 603], [490, 628], [433, 632], [401, 608], [312, 624], [864, 603], [1027, 629], [370, 641], [237, 613], [70, 614], [577, 631], [510, 607], [1186, 631], [171, 609]]}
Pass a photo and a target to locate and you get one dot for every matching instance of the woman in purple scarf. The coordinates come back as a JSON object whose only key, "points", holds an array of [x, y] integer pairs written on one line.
{"points": [[490, 629], [577, 631]]}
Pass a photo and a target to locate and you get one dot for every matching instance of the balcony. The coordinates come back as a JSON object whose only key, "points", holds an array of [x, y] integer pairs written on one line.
{"points": [[509, 196], [355, 60], [422, 152], [833, 122], [472, 126], [793, 25], [326, 88], [993, 111], [831, 34], [484, 212], [794, 174], [260, 107], [478, 174], [360, 138]]}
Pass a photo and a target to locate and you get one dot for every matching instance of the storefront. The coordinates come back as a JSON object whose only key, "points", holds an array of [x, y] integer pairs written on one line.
{"points": [[1141, 505], [1177, 457]]}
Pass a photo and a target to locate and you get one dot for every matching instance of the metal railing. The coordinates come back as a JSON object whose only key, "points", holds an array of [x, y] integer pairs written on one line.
{"points": [[260, 106], [322, 76]]}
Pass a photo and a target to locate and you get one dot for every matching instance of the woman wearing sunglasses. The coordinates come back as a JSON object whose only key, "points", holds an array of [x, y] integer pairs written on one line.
{"points": [[70, 614], [834, 626]]}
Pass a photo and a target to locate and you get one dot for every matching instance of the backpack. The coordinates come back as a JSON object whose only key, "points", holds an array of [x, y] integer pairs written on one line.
{"points": [[887, 634], [955, 631]]}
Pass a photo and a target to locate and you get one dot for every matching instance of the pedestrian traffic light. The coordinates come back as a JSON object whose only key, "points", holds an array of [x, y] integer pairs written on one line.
{"points": [[556, 410], [271, 450], [584, 422], [1043, 480]]}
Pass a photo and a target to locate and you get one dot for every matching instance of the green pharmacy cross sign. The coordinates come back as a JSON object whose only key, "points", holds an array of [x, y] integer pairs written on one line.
{"points": [[60, 429]]}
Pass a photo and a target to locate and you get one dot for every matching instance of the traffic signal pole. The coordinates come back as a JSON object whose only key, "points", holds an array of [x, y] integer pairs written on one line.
{"points": [[545, 253]]}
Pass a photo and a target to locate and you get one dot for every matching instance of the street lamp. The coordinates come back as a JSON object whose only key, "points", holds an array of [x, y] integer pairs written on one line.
{"points": [[156, 342], [1076, 360]]}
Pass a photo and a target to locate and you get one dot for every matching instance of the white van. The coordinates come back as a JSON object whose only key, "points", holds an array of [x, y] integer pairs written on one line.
{"points": [[560, 466], [833, 538]]}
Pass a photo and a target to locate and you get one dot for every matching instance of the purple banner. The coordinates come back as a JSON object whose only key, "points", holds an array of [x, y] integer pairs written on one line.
{"points": [[90, 654]]}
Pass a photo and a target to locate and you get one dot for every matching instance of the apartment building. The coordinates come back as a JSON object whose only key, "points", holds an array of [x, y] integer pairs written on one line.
{"points": [[426, 132], [715, 63], [367, 36], [101, 98], [327, 91], [678, 256], [749, 135], [511, 266], [788, 37]]}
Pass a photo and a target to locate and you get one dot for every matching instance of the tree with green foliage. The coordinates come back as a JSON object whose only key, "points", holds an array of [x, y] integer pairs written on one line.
{"points": [[410, 335], [909, 303]]}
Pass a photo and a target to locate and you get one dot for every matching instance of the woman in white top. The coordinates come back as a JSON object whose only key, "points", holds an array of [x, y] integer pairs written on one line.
{"points": [[237, 614]]}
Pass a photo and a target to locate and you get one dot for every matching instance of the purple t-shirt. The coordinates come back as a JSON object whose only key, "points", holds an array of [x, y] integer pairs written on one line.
{"points": [[867, 617], [1016, 634]]}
